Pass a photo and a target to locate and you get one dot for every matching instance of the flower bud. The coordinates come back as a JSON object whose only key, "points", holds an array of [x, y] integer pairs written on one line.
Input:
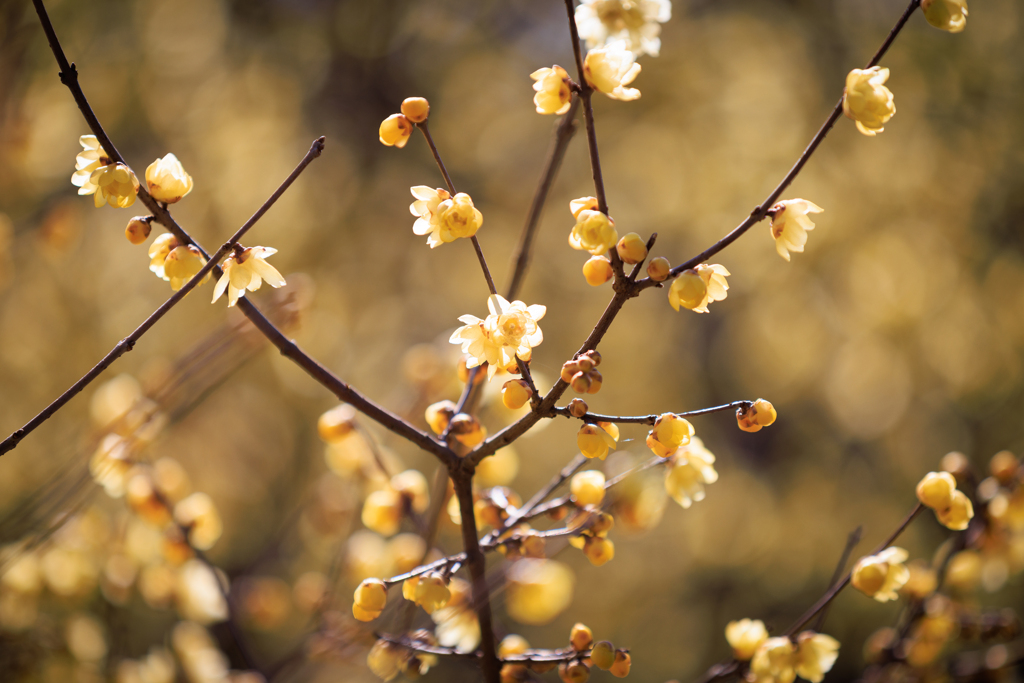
{"points": [[416, 109], [138, 229], [383, 659], [759, 414], [1004, 466], [515, 394], [948, 15], [382, 511], [581, 637], [594, 355], [578, 407], [369, 599], [587, 487], [580, 382], [569, 368], [337, 423], [745, 636], [631, 248], [395, 131], [432, 592], [867, 101], [167, 180], [669, 433], [439, 414], [594, 442], [959, 513], [659, 268], [596, 379], [620, 669], [688, 290], [412, 485], [598, 550], [467, 430], [597, 271], [512, 644], [936, 490], [573, 672], [603, 655]]}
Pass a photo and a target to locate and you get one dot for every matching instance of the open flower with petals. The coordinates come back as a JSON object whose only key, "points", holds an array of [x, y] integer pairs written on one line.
{"points": [[510, 330], [167, 180], [637, 23], [158, 251], [696, 288], [395, 131], [790, 225], [109, 183], [815, 655], [959, 513], [936, 490], [745, 636], [867, 101], [595, 441], [670, 432], [443, 218], [426, 210], [246, 271], [610, 69], [774, 661], [880, 576], [692, 467], [552, 86], [182, 264], [594, 232], [949, 15], [92, 157]]}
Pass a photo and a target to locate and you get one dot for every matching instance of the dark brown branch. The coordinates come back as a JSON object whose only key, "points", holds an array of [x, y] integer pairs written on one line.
{"points": [[560, 655], [128, 343], [650, 419], [851, 542], [760, 211]]}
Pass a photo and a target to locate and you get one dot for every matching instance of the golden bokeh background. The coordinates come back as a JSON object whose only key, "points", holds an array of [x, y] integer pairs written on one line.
{"points": [[896, 337]]}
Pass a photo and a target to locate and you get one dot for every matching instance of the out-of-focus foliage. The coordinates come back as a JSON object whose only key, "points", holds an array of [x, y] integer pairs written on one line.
{"points": [[898, 335]]}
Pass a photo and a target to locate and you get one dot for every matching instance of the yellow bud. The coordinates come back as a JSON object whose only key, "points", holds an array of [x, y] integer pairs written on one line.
{"points": [[395, 131], [512, 644], [959, 513], [588, 487], [432, 593], [631, 248], [948, 15], [439, 414], [409, 588], [581, 637], [759, 414], [601, 523], [745, 636], [964, 571], [688, 290], [580, 382], [167, 180], [659, 268], [515, 394], [369, 598], [337, 423], [382, 511], [538, 590], [569, 368], [596, 380], [383, 659], [416, 109], [869, 575], [598, 550], [603, 655], [936, 489], [138, 229], [578, 407], [575, 672], [594, 442], [620, 669], [412, 485], [467, 430], [1004, 466], [597, 271], [669, 433]]}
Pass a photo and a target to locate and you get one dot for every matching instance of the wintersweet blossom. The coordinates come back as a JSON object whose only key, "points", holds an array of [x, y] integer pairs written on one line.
{"points": [[510, 330], [949, 15], [745, 636], [959, 513], [246, 271], [695, 289], [97, 174], [443, 218], [936, 489], [670, 432], [610, 69], [867, 101], [637, 23], [395, 131], [552, 86], [880, 576], [774, 660], [815, 655], [754, 417], [594, 232], [182, 264], [692, 467], [790, 225], [158, 252], [594, 441], [167, 180]]}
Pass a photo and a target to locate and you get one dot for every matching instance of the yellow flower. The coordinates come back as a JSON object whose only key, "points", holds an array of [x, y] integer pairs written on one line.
{"points": [[936, 490], [199, 515], [395, 131], [416, 109], [457, 623], [774, 661], [594, 232], [597, 271], [695, 289], [880, 576], [92, 157], [759, 414], [959, 513], [369, 599], [610, 69], [181, 264], [745, 636], [552, 86], [246, 270], [635, 22], [669, 433], [582, 204], [631, 248], [949, 15], [867, 101], [138, 229], [443, 218], [158, 252], [97, 174], [510, 330], [167, 180], [692, 467], [594, 442], [790, 225], [815, 655], [587, 487]]}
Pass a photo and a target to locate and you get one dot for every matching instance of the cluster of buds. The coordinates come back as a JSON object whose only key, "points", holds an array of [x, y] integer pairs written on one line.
{"points": [[429, 591], [752, 417], [937, 490], [521, 542], [582, 374], [591, 528], [396, 129]]}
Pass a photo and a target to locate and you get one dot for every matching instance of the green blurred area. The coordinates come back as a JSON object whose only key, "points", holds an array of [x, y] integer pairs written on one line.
{"points": [[897, 336]]}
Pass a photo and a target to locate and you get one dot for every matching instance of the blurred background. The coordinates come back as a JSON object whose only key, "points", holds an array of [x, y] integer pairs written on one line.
{"points": [[897, 336]]}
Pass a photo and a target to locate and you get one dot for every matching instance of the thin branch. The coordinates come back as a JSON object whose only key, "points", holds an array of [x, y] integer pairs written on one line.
{"points": [[128, 343], [560, 655], [649, 419], [851, 542], [760, 211]]}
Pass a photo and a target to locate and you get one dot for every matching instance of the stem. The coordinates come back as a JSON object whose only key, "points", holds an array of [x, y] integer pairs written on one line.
{"points": [[851, 542], [477, 563], [650, 419]]}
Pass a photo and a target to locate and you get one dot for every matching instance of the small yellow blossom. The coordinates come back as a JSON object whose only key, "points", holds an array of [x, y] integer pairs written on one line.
{"points": [[691, 469], [631, 248], [758, 414], [582, 204], [959, 513], [695, 289], [635, 22], [815, 655], [138, 229], [598, 550], [867, 101], [382, 511], [658, 269], [510, 330], [246, 270], [395, 131], [790, 225], [603, 655], [552, 86], [610, 69], [597, 271], [182, 264], [670, 432], [594, 232], [587, 487], [443, 218], [745, 636], [457, 623], [369, 599], [774, 661], [594, 442], [936, 490], [384, 658], [620, 669], [416, 109], [515, 393], [431, 592], [880, 576], [949, 15], [97, 174], [167, 180]]}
